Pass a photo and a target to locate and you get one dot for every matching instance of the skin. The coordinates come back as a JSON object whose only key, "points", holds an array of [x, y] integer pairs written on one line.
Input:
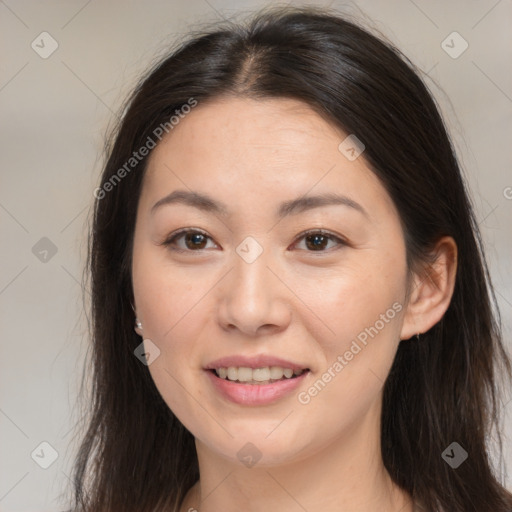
{"points": [[291, 302]]}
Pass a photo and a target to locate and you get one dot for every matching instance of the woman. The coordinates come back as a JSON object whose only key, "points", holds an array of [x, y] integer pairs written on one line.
{"points": [[291, 309]]}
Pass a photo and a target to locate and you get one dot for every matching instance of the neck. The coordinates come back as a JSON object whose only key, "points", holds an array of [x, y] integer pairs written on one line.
{"points": [[347, 474]]}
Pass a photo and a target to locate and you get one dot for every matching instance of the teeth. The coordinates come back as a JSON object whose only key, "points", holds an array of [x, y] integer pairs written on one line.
{"points": [[256, 375], [259, 374], [276, 372], [243, 374], [232, 373]]}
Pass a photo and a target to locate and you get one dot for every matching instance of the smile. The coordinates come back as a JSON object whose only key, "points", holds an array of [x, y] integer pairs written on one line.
{"points": [[254, 392], [258, 376]]}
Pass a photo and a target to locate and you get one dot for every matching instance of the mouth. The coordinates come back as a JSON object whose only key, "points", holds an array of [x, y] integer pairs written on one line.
{"points": [[255, 381], [257, 376]]}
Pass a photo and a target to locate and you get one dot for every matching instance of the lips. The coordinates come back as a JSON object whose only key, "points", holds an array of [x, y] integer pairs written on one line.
{"points": [[255, 393]]}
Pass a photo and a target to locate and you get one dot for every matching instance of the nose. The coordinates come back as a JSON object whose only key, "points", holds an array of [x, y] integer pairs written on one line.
{"points": [[253, 299]]}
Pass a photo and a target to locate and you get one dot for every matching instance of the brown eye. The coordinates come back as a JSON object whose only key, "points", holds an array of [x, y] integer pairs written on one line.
{"points": [[318, 241], [194, 240]]}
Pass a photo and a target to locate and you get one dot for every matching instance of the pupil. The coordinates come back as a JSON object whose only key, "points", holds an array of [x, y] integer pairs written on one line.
{"points": [[196, 237], [317, 240]]}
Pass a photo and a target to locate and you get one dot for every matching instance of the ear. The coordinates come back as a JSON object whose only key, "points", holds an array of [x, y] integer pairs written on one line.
{"points": [[431, 290]]}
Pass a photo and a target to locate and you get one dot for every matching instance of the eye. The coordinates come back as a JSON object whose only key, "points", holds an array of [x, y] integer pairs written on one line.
{"points": [[317, 240], [194, 240]]}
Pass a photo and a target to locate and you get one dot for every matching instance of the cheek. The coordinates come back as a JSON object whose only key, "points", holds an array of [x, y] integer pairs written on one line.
{"points": [[350, 301], [169, 298], [357, 357], [175, 317], [361, 309], [170, 305]]}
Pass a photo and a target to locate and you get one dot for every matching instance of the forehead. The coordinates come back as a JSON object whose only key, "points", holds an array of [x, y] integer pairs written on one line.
{"points": [[228, 127], [270, 148]]}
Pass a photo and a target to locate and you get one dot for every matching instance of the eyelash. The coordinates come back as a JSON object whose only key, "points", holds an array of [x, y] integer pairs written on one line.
{"points": [[171, 239]]}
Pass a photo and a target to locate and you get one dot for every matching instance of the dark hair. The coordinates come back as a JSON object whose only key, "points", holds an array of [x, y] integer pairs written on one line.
{"points": [[135, 454]]}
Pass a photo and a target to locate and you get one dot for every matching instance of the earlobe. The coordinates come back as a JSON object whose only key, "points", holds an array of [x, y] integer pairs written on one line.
{"points": [[432, 290], [138, 327], [138, 323]]}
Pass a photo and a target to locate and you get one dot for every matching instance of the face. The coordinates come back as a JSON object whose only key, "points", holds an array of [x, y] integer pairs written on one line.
{"points": [[265, 279]]}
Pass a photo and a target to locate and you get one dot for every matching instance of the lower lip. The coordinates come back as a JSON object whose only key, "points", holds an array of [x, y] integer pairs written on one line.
{"points": [[255, 394]]}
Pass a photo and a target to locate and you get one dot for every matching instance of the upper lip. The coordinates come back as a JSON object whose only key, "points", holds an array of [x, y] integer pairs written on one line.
{"points": [[259, 361]]}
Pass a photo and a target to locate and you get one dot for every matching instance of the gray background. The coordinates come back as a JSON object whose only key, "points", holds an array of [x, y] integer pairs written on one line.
{"points": [[55, 112]]}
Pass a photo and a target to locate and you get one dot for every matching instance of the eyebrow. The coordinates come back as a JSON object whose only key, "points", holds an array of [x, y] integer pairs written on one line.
{"points": [[292, 207]]}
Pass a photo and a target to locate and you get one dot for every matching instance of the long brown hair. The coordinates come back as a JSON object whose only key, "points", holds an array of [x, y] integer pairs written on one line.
{"points": [[135, 454]]}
